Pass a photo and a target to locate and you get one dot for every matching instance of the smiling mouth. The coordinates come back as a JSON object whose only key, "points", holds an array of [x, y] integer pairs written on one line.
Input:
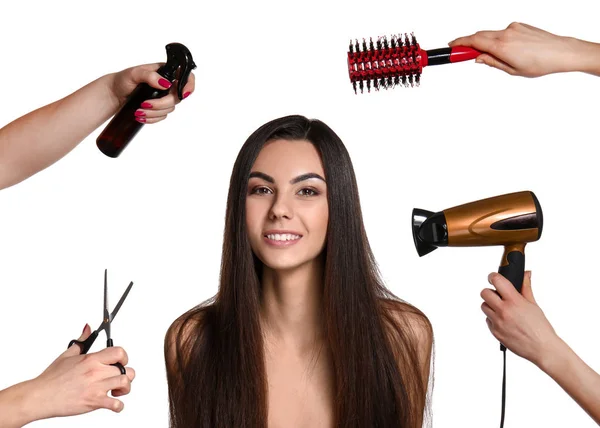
{"points": [[281, 239], [283, 236]]}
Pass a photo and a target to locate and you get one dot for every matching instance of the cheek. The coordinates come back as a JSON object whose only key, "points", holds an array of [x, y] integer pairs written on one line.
{"points": [[255, 214], [320, 219]]}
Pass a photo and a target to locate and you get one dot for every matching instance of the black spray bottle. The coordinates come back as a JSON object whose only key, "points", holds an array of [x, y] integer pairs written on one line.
{"points": [[123, 126]]}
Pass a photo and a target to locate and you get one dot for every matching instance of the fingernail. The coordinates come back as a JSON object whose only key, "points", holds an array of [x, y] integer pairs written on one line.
{"points": [[84, 327], [146, 105], [529, 274], [141, 119], [479, 60], [164, 83], [187, 94], [140, 113]]}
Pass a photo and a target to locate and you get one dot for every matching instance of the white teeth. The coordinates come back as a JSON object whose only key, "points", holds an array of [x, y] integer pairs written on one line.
{"points": [[283, 237]]}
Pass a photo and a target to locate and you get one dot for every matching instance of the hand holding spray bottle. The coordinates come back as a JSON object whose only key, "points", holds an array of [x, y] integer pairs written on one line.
{"points": [[123, 126]]}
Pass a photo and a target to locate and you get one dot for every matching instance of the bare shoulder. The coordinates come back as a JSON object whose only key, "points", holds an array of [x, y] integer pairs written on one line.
{"points": [[410, 332], [408, 317], [182, 335]]}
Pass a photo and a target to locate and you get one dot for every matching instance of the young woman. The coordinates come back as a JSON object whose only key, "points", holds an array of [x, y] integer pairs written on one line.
{"points": [[302, 331]]}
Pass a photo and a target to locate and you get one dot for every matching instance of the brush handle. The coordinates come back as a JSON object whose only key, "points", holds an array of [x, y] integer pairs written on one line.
{"points": [[449, 55]]}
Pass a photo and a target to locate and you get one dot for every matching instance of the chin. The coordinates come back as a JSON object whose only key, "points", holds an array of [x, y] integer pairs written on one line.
{"points": [[283, 264], [286, 262]]}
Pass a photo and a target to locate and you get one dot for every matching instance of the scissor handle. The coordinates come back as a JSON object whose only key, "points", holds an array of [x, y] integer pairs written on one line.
{"points": [[85, 346], [109, 344]]}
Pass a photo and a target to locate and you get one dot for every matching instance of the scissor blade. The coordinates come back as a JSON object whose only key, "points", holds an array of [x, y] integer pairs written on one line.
{"points": [[121, 300], [105, 313]]}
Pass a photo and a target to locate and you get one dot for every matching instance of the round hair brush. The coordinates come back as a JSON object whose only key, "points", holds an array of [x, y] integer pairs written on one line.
{"points": [[394, 61]]}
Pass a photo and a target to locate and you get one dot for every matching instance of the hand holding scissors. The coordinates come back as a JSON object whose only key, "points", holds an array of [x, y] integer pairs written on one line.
{"points": [[106, 322]]}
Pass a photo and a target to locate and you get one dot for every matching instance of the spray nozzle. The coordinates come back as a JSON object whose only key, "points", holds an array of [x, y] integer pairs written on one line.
{"points": [[178, 56]]}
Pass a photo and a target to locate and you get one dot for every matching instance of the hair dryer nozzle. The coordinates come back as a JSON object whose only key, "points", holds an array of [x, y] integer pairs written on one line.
{"points": [[424, 246]]}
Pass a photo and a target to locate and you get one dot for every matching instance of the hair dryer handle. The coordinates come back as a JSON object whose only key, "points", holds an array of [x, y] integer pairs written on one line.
{"points": [[514, 271], [513, 268]]}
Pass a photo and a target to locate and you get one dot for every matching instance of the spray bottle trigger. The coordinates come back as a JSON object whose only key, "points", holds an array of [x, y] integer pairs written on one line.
{"points": [[179, 56]]}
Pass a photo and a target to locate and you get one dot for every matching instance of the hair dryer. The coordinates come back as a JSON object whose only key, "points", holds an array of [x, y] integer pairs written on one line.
{"points": [[510, 220]]}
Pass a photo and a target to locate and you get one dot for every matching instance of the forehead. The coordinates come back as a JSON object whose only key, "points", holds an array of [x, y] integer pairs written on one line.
{"points": [[285, 159]]}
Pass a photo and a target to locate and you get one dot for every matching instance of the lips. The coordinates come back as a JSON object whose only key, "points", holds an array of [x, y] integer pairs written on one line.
{"points": [[281, 238]]}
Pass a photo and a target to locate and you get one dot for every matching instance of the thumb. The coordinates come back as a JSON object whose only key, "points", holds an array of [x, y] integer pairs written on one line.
{"points": [[75, 349], [526, 290]]}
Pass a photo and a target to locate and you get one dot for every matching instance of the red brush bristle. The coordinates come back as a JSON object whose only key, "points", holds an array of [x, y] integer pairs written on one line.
{"points": [[385, 63]]}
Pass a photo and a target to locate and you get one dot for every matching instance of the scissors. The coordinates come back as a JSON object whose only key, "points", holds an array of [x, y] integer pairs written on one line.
{"points": [[85, 345]]}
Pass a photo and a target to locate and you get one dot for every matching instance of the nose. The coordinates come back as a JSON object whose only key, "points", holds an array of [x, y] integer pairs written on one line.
{"points": [[281, 208]]}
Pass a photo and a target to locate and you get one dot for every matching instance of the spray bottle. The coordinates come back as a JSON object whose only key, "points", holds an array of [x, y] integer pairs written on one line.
{"points": [[123, 126]]}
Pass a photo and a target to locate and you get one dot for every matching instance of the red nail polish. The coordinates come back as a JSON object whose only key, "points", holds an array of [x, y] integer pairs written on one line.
{"points": [[146, 105], [141, 119], [139, 113], [187, 94], [84, 327], [164, 83]]}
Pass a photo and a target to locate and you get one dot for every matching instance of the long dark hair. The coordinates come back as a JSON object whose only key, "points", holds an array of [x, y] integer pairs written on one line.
{"points": [[214, 352]]}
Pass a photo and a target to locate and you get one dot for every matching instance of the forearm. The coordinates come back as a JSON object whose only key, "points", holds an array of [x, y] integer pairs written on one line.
{"points": [[37, 140], [586, 56], [574, 376], [19, 405]]}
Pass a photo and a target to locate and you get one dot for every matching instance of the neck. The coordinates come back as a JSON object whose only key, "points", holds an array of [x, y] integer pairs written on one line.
{"points": [[291, 309]]}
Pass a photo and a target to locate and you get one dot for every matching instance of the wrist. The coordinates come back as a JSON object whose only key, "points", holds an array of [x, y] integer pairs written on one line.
{"points": [[553, 357], [21, 404], [112, 99], [586, 56]]}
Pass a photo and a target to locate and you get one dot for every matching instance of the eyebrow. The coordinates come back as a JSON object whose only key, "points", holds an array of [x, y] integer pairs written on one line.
{"points": [[295, 180]]}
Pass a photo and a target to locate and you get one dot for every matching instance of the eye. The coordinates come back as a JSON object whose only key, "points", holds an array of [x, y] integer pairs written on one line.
{"points": [[308, 192], [260, 190]]}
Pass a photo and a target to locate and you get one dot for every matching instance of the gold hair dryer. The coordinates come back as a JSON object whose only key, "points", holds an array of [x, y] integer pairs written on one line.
{"points": [[510, 220]]}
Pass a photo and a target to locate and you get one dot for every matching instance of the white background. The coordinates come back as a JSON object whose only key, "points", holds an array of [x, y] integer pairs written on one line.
{"points": [[156, 214]]}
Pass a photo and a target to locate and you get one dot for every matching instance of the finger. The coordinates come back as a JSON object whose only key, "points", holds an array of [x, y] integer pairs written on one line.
{"points": [[526, 289], [496, 63], [492, 298], [150, 120], [504, 287], [131, 376], [150, 113], [119, 385], [111, 404], [190, 86], [112, 355], [488, 311], [162, 103], [76, 349], [492, 328], [130, 373], [484, 41], [147, 74]]}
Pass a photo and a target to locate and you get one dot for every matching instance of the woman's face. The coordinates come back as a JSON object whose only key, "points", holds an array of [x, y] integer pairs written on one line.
{"points": [[286, 204]]}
